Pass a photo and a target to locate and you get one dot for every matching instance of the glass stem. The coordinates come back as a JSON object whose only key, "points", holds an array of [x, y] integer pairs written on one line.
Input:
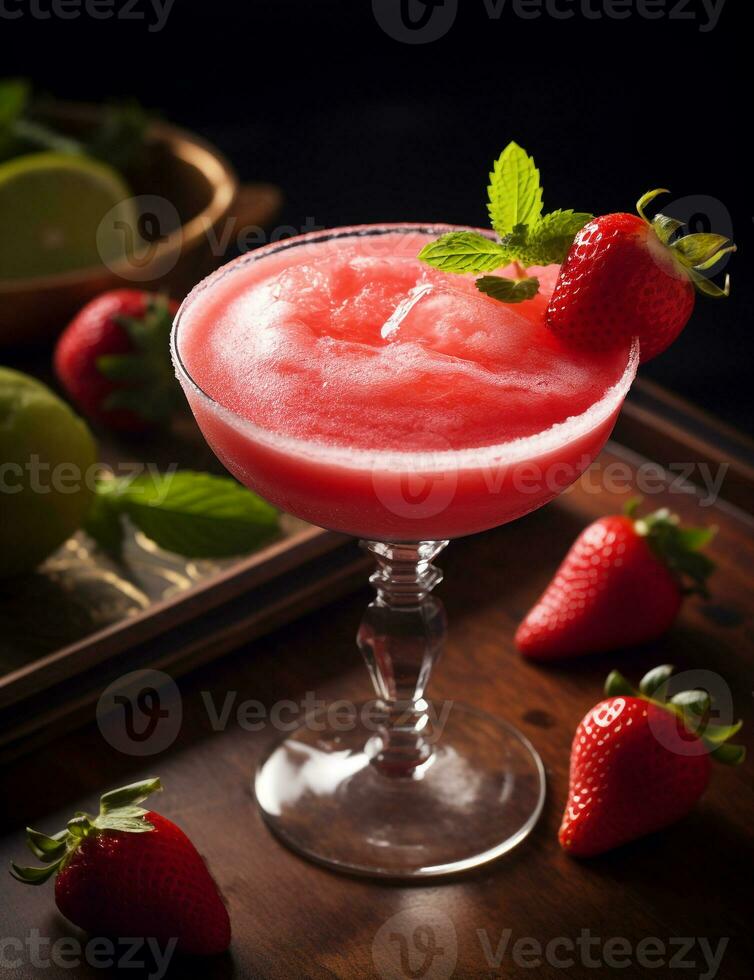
{"points": [[401, 636]]}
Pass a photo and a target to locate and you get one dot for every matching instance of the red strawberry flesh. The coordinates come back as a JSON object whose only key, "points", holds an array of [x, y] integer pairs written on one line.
{"points": [[619, 281]]}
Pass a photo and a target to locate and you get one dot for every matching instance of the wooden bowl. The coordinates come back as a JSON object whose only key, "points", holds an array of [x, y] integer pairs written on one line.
{"points": [[203, 201]]}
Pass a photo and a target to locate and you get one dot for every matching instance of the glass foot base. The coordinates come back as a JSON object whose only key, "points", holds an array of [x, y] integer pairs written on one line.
{"points": [[478, 795]]}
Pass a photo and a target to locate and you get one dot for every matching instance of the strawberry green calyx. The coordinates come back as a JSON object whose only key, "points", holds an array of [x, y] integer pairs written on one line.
{"points": [[693, 708], [678, 547], [145, 377], [522, 233], [119, 811], [694, 253]]}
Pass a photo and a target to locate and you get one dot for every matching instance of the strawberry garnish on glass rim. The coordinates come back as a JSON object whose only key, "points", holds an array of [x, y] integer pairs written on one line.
{"points": [[622, 276], [131, 872], [626, 276], [639, 762]]}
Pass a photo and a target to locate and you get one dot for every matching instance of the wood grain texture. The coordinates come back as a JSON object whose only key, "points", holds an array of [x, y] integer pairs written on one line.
{"points": [[292, 919]]}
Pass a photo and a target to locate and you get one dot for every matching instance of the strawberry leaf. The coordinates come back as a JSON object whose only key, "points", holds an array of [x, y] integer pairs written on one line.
{"points": [[33, 876], [729, 755], [709, 288], [696, 701], [46, 848], [129, 796], [694, 250], [653, 681], [717, 734], [647, 198], [144, 378], [678, 547], [130, 825], [123, 367], [666, 227], [616, 685]]}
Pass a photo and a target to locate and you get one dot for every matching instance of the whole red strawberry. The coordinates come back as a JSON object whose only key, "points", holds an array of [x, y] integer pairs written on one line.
{"points": [[622, 583], [625, 277], [640, 762], [131, 872], [113, 359]]}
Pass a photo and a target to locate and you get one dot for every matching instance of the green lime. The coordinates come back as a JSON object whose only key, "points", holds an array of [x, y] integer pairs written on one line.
{"points": [[47, 457], [52, 206]]}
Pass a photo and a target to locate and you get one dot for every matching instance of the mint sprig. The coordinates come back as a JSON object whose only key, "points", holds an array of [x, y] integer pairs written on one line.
{"points": [[508, 290], [524, 234], [197, 515], [514, 192]]}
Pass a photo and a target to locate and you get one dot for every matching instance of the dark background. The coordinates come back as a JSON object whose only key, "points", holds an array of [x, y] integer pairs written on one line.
{"points": [[356, 126]]}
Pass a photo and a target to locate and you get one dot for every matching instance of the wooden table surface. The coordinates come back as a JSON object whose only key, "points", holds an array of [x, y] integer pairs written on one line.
{"points": [[668, 905]]}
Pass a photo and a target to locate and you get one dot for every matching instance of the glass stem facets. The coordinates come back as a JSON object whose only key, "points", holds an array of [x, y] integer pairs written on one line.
{"points": [[401, 637]]}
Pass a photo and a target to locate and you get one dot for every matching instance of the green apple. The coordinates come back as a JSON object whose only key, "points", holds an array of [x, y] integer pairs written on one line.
{"points": [[47, 458]]}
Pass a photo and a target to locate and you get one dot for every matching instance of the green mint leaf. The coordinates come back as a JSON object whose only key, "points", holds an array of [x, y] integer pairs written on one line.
{"points": [[515, 194], [14, 97], [508, 290], [103, 522], [120, 136], [464, 251], [550, 240], [196, 514]]}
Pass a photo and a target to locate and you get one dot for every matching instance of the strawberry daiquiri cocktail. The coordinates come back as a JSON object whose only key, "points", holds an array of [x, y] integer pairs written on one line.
{"points": [[357, 387], [363, 390]]}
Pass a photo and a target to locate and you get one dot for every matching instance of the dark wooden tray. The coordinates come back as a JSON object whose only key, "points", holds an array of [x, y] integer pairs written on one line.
{"points": [[293, 919]]}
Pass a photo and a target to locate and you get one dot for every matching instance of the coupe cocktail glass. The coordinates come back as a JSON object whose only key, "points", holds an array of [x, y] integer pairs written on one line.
{"points": [[357, 389]]}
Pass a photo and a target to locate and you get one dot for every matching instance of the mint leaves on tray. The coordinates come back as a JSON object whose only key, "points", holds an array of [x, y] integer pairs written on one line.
{"points": [[193, 514]]}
